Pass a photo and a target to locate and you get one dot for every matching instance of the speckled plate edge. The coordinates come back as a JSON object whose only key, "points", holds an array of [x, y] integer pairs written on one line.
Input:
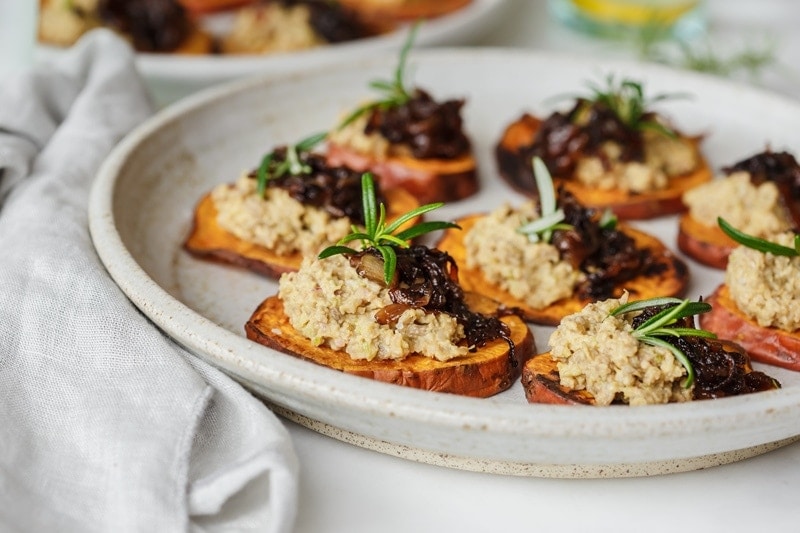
{"points": [[441, 424]]}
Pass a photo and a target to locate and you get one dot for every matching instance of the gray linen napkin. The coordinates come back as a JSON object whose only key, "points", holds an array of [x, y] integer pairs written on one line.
{"points": [[105, 423]]}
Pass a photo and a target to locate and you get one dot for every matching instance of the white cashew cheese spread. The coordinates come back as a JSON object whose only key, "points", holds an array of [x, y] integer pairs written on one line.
{"points": [[532, 272], [271, 28], [766, 287], [664, 158], [277, 221], [753, 209], [598, 353], [330, 304], [352, 136]]}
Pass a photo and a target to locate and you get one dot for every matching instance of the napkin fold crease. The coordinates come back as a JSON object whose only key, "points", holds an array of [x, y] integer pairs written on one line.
{"points": [[106, 424]]}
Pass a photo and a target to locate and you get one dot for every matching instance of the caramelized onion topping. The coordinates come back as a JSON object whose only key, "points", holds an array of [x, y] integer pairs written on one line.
{"points": [[152, 25], [606, 256], [428, 278], [565, 138], [722, 368], [331, 21], [337, 190], [431, 130]]}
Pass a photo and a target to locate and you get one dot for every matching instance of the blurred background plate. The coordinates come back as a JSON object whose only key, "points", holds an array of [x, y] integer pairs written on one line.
{"points": [[173, 76]]}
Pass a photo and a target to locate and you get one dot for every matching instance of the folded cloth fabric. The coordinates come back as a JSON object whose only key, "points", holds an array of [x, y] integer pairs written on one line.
{"points": [[105, 423]]}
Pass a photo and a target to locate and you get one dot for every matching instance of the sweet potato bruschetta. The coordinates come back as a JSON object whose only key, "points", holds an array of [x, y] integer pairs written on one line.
{"points": [[759, 196], [548, 259], [395, 313], [289, 207], [609, 151], [409, 140], [161, 27], [758, 305], [639, 353]]}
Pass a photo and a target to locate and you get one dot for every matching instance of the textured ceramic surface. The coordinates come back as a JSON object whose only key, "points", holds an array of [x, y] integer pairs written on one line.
{"points": [[141, 208]]}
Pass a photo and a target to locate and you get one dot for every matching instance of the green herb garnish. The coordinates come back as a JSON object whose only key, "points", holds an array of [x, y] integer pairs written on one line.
{"points": [[269, 169], [654, 328], [551, 216], [758, 244], [627, 100], [394, 91], [378, 235]]}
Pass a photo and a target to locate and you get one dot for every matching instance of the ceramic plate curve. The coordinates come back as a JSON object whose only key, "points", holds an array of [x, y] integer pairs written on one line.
{"points": [[142, 204]]}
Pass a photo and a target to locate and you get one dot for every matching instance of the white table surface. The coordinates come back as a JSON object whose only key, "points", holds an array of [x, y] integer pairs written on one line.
{"points": [[349, 489]]}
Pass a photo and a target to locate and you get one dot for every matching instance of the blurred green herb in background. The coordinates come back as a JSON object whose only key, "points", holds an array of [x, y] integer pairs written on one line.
{"points": [[655, 42]]}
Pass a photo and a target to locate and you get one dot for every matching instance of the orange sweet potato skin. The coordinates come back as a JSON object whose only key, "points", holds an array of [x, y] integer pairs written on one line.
{"points": [[767, 345], [208, 240], [626, 205], [486, 372], [671, 281], [428, 180], [541, 384], [705, 244]]}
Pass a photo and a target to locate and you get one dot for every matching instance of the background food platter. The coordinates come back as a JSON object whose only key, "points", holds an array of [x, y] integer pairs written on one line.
{"points": [[172, 75], [141, 208]]}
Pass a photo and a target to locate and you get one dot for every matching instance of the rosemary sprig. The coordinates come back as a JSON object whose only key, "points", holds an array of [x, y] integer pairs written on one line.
{"points": [[652, 330], [270, 169], [378, 235], [758, 244], [627, 99], [394, 91], [551, 216]]}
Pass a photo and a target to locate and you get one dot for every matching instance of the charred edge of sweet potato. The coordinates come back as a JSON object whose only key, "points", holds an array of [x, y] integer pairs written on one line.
{"points": [[705, 244], [541, 383], [427, 180], [672, 280], [766, 345], [208, 240], [626, 205], [483, 373]]}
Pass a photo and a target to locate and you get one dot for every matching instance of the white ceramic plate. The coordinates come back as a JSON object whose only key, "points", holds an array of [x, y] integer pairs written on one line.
{"points": [[176, 75], [142, 204]]}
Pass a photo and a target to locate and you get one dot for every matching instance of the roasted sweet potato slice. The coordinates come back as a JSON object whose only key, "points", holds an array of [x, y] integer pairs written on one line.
{"points": [[483, 373], [428, 180], [540, 381], [767, 345], [208, 240], [513, 167], [706, 244], [671, 280]]}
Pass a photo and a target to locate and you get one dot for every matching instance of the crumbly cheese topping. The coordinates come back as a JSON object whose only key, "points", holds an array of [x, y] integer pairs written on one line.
{"points": [[277, 221], [766, 287], [664, 158], [330, 304], [598, 353], [353, 137], [753, 209], [271, 28], [532, 272]]}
